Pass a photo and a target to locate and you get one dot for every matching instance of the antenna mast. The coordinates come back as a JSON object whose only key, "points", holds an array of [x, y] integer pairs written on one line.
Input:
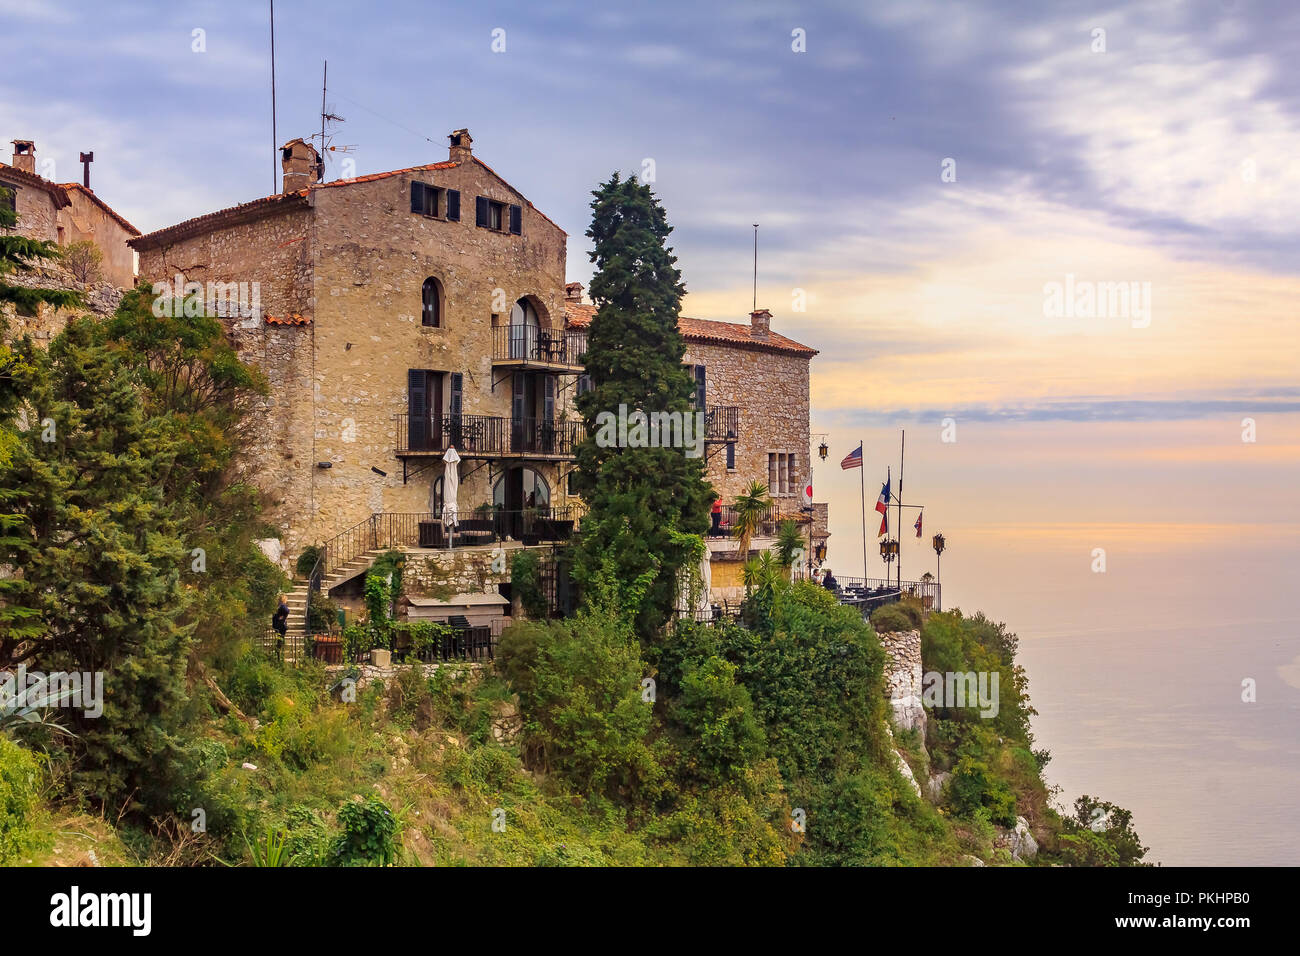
{"points": [[755, 307], [275, 140]]}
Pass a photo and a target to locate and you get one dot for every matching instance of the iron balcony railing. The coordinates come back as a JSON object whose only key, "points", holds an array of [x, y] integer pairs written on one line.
{"points": [[870, 593], [478, 436], [722, 423], [550, 347]]}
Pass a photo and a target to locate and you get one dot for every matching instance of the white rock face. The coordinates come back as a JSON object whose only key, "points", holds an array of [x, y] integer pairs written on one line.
{"points": [[906, 771], [935, 785], [1023, 844], [272, 548]]}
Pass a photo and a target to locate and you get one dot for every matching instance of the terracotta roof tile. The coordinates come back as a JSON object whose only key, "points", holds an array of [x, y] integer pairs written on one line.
{"points": [[256, 207], [57, 192], [293, 318], [102, 205], [579, 316]]}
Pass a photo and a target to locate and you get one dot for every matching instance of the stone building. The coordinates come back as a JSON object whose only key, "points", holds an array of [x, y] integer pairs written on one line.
{"points": [[753, 384], [395, 314], [66, 213], [63, 213]]}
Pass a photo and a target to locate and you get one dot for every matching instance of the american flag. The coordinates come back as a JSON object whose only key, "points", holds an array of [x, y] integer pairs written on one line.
{"points": [[853, 459]]}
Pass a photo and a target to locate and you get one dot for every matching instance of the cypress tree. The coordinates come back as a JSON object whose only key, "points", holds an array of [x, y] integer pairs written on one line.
{"points": [[641, 501]]}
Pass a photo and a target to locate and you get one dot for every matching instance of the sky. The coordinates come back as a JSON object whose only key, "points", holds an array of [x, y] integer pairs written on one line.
{"points": [[922, 172]]}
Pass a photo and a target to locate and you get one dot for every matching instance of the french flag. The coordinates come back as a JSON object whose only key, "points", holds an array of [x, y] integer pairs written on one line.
{"points": [[882, 505]]}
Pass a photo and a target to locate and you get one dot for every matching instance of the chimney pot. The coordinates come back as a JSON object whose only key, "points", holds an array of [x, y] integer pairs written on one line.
{"points": [[760, 323], [25, 155], [301, 164], [461, 146], [573, 292]]}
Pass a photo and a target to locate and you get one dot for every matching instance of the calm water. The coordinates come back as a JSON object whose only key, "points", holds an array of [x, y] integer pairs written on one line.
{"points": [[1137, 676]]}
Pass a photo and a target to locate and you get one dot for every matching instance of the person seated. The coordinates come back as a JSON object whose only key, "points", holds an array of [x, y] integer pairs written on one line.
{"points": [[829, 582]]}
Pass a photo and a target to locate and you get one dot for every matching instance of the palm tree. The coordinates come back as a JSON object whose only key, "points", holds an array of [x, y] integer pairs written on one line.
{"points": [[789, 541], [750, 507]]}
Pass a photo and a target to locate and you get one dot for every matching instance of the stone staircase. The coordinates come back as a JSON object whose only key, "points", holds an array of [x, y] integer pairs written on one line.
{"points": [[297, 598]]}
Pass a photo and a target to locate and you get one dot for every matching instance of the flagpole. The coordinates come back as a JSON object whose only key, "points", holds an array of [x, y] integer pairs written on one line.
{"points": [[901, 448], [862, 485]]}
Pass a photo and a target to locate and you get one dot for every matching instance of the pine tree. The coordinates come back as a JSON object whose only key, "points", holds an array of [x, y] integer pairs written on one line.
{"points": [[640, 500], [99, 559]]}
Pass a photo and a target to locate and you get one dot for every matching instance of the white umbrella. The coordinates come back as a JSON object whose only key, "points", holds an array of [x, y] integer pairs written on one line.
{"points": [[450, 485]]}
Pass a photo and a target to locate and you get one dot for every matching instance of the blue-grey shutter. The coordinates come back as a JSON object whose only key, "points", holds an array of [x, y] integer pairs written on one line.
{"points": [[699, 388], [453, 205], [417, 397], [516, 220], [481, 211], [457, 394], [417, 197]]}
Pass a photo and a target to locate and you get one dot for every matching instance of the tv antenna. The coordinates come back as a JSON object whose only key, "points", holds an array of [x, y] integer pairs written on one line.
{"points": [[328, 116]]}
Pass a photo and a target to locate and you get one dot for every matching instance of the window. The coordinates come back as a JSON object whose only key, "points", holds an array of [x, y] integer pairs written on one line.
{"points": [[584, 384], [490, 214], [9, 197], [782, 472], [524, 330], [731, 456], [426, 199], [698, 399], [431, 303]]}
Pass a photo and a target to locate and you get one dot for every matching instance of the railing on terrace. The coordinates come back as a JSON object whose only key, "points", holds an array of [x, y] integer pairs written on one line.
{"points": [[871, 593], [488, 435], [768, 523], [722, 423], [567, 347]]}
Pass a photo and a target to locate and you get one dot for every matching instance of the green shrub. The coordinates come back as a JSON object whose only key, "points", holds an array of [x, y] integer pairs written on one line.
{"points": [[368, 837], [526, 582], [307, 559], [579, 686], [897, 616], [20, 782], [322, 614], [723, 737]]}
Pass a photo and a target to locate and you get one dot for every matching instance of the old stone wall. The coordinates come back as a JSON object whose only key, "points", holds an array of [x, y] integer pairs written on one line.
{"points": [[275, 253], [373, 256], [86, 220], [771, 389], [37, 215], [903, 678], [440, 574]]}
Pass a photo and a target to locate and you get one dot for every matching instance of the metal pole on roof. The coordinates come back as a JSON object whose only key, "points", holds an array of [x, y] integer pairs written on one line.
{"points": [[755, 308], [275, 139]]}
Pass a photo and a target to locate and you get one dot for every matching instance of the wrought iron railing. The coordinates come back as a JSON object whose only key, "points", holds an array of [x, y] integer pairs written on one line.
{"points": [[722, 423], [488, 435], [564, 347]]}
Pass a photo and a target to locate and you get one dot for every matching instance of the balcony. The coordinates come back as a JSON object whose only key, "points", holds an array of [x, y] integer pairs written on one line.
{"points": [[527, 347], [722, 423], [488, 436]]}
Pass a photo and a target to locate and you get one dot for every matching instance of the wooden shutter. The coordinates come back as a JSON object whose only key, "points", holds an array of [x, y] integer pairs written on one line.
{"points": [[417, 197], [481, 211], [417, 408], [731, 454], [457, 394], [453, 205], [699, 388], [548, 399], [516, 220]]}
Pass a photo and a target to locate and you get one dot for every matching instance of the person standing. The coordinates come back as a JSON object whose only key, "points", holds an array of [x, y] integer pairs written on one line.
{"points": [[717, 517], [280, 619]]}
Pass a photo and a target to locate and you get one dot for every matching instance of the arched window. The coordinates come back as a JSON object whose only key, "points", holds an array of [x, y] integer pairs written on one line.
{"points": [[536, 492], [431, 298], [523, 330]]}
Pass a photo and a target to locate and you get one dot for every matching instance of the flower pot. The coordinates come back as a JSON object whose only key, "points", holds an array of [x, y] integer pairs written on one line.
{"points": [[326, 648]]}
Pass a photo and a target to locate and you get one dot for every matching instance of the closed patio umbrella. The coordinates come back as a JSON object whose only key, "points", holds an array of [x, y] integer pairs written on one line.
{"points": [[450, 485]]}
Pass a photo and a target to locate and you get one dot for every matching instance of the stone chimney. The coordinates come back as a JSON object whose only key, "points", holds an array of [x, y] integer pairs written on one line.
{"points": [[25, 155], [573, 292], [760, 323], [461, 142], [301, 164]]}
